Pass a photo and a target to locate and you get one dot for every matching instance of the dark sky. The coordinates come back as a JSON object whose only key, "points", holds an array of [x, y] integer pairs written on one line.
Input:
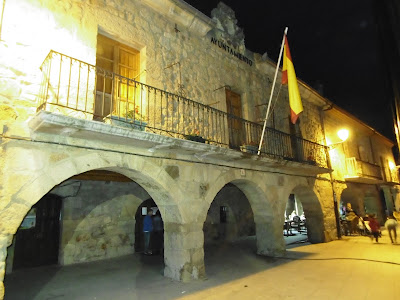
{"points": [[332, 43]]}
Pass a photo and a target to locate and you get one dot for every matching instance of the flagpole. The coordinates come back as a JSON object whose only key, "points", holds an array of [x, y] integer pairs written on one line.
{"points": [[272, 91]]}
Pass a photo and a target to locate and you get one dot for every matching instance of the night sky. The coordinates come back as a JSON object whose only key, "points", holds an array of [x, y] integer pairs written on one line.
{"points": [[333, 44]]}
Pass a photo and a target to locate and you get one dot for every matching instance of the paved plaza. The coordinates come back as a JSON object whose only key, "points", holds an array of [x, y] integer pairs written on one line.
{"points": [[351, 268]]}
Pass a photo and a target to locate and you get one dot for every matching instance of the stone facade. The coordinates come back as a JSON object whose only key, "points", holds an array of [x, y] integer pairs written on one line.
{"points": [[183, 52], [364, 171]]}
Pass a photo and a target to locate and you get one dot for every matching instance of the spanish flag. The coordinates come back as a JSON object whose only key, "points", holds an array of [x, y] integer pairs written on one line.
{"points": [[289, 78]]}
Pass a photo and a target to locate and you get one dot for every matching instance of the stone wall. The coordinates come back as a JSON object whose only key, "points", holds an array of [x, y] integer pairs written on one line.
{"points": [[75, 25], [99, 221], [19, 81], [239, 217]]}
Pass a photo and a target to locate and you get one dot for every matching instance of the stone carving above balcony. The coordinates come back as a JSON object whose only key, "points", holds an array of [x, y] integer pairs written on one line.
{"points": [[183, 14], [227, 30]]}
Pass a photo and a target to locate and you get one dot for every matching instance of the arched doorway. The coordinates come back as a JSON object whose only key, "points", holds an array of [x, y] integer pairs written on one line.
{"points": [[58, 174], [157, 236], [229, 217], [90, 216], [229, 230], [308, 203], [93, 220], [349, 196], [295, 229]]}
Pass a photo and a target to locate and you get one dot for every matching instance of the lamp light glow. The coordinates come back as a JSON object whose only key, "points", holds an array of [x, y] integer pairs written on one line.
{"points": [[343, 134]]}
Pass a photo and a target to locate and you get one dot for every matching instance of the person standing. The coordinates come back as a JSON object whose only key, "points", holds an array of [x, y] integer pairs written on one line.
{"points": [[375, 228], [147, 230], [391, 225], [352, 219]]}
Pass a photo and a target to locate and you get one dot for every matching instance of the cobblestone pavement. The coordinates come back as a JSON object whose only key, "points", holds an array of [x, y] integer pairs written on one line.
{"points": [[351, 268]]}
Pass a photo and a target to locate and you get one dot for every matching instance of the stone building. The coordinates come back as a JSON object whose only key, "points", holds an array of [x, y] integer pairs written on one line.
{"points": [[109, 108], [364, 172]]}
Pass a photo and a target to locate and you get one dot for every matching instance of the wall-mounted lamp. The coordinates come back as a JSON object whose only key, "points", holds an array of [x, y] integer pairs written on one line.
{"points": [[343, 135]]}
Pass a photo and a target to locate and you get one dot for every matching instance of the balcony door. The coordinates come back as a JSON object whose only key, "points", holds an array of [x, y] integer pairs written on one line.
{"points": [[235, 124], [116, 92]]}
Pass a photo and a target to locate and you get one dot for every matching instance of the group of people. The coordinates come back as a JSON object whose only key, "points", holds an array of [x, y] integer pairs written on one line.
{"points": [[153, 233], [369, 225], [390, 224]]}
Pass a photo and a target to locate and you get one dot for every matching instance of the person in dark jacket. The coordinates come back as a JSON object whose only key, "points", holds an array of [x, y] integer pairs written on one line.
{"points": [[375, 227], [147, 230]]}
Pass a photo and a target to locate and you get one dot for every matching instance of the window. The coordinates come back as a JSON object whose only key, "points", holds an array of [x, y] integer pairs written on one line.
{"points": [[119, 67], [29, 220], [362, 153]]}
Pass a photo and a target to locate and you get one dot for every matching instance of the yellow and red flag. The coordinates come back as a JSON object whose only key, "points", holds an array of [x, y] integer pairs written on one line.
{"points": [[289, 78]]}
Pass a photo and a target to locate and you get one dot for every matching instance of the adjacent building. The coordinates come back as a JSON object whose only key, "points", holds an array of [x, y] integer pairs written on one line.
{"points": [[110, 108]]}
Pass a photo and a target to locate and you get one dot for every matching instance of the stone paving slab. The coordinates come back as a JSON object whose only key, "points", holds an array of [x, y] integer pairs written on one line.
{"points": [[350, 268]]}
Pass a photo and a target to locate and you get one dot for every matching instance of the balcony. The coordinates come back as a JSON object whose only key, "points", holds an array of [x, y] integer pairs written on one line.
{"points": [[362, 171], [88, 97], [391, 175]]}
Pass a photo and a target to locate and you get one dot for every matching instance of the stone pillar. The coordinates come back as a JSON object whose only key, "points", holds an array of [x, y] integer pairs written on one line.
{"points": [[314, 230], [290, 205], [270, 239], [183, 251], [5, 241]]}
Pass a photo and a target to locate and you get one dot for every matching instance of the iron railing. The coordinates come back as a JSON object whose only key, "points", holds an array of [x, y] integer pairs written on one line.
{"points": [[356, 167], [73, 87], [391, 175]]}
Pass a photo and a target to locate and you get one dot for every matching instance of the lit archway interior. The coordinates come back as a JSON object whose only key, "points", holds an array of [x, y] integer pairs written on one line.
{"points": [[313, 213], [91, 216]]}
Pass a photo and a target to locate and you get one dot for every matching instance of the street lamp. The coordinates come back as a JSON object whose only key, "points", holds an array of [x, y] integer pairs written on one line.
{"points": [[343, 135]]}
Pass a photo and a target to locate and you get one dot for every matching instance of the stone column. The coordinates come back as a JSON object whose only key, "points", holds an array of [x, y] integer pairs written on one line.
{"points": [[183, 251], [5, 241], [314, 230], [270, 239]]}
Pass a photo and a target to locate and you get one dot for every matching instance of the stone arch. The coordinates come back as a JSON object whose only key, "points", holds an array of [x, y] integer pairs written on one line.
{"points": [[313, 211], [253, 186], [151, 177], [155, 180]]}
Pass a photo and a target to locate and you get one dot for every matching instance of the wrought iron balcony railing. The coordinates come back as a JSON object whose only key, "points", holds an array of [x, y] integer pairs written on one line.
{"points": [[359, 168], [73, 87]]}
